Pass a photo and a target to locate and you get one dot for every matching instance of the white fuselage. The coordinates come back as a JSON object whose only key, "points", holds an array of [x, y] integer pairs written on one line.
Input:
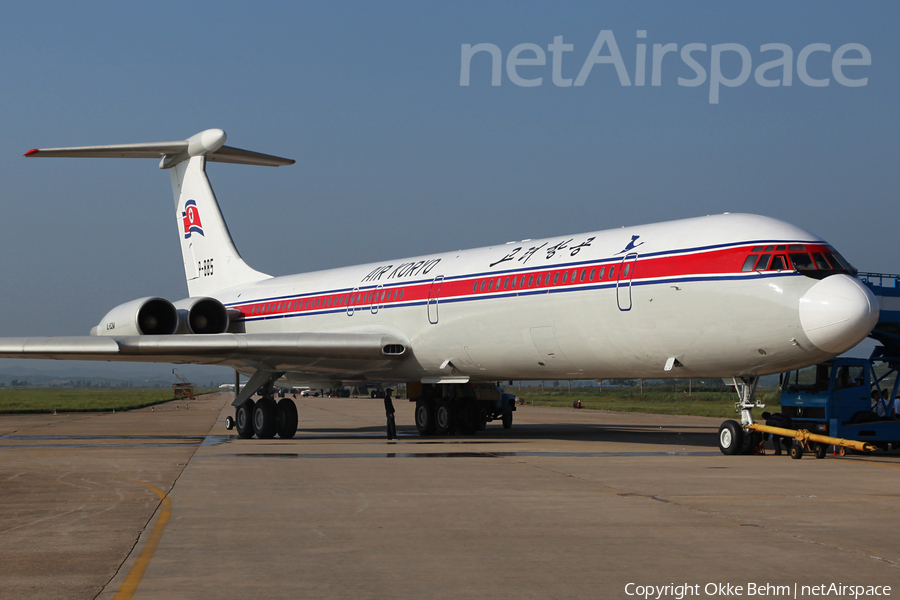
{"points": [[660, 300]]}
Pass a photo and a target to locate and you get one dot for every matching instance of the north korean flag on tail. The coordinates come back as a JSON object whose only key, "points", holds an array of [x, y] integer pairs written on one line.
{"points": [[191, 219]]}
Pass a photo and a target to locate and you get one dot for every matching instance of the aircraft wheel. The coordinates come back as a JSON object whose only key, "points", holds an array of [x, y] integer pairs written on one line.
{"points": [[244, 419], [443, 419], [821, 450], [264, 418], [286, 419], [425, 416], [731, 437], [507, 417], [751, 441], [797, 450]]}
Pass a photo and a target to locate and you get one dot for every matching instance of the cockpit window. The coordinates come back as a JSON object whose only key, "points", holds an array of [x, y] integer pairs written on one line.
{"points": [[836, 259], [801, 261], [812, 260], [821, 261]]}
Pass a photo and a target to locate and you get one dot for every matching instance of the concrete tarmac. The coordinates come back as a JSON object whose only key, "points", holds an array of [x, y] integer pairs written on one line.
{"points": [[567, 504]]}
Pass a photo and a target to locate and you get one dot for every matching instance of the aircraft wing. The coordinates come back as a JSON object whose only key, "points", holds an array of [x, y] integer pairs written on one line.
{"points": [[314, 353]]}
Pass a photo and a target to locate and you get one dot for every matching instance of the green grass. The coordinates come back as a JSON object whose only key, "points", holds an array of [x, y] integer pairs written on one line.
{"points": [[667, 401], [46, 400]]}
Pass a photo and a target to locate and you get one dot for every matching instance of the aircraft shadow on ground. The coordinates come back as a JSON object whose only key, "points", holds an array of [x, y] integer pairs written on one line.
{"points": [[622, 433]]}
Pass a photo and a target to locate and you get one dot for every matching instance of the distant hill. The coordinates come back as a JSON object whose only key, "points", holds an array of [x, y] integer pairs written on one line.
{"points": [[104, 374]]}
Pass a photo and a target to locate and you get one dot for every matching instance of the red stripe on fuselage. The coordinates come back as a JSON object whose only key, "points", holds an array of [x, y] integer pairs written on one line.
{"points": [[603, 272]]}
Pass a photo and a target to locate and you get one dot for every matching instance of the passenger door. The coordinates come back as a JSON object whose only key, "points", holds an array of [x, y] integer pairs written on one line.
{"points": [[434, 294], [623, 283]]}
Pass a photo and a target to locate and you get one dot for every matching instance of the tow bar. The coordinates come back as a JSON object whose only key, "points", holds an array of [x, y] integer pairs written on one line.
{"points": [[813, 442]]}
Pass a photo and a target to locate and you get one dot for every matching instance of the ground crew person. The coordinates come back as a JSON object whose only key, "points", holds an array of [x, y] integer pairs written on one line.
{"points": [[782, 421], [389, 411]]}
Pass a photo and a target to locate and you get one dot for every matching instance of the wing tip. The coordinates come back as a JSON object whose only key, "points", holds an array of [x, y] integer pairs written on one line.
{"points": [[32, 152]]}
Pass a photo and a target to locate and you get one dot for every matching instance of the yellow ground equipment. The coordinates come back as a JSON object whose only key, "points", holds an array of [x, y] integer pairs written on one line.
{"points": [[812, 442], [182, 388]]}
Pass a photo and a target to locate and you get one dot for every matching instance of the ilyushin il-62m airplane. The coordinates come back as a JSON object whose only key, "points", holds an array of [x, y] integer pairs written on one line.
{"points": [[735, 296]]}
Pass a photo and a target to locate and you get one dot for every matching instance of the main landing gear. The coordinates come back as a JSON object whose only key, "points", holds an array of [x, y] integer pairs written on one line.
{"points": [[265, 417], [733, 438]]}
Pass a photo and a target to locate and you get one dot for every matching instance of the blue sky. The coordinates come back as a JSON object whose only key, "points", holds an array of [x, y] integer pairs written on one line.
{"points": [[395, 158]]}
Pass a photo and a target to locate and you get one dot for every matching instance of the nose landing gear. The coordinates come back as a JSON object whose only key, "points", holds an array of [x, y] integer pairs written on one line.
{"points": [[733, 437]]}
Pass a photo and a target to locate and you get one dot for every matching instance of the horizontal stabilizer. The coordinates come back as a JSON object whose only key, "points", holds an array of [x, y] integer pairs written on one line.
{"points": [[227, 154], [152, 150], [209, 143]]}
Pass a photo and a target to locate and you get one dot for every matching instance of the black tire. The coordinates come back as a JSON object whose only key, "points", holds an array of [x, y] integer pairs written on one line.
{"points": [[507, 417], [425, 416], [731, 438], [265, 418], [797, 451], [243, 419], [443, 418], [229, 423], [751, 442], [482, 419], [821, 450], [286, 419]]}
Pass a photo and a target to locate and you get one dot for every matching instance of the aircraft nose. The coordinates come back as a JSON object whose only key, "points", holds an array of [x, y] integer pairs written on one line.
{"points": [[838, 312]]}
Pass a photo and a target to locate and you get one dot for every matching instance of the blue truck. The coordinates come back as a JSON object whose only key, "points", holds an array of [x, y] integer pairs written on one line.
{"points": [[839, 398]]}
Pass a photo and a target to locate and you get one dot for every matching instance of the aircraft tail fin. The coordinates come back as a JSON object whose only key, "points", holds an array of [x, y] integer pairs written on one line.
{"points": [[211, 261]]}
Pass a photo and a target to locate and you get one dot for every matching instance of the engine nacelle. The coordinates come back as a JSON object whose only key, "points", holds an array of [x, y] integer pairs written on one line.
{"points": [[201, 315], [144, 316]]}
